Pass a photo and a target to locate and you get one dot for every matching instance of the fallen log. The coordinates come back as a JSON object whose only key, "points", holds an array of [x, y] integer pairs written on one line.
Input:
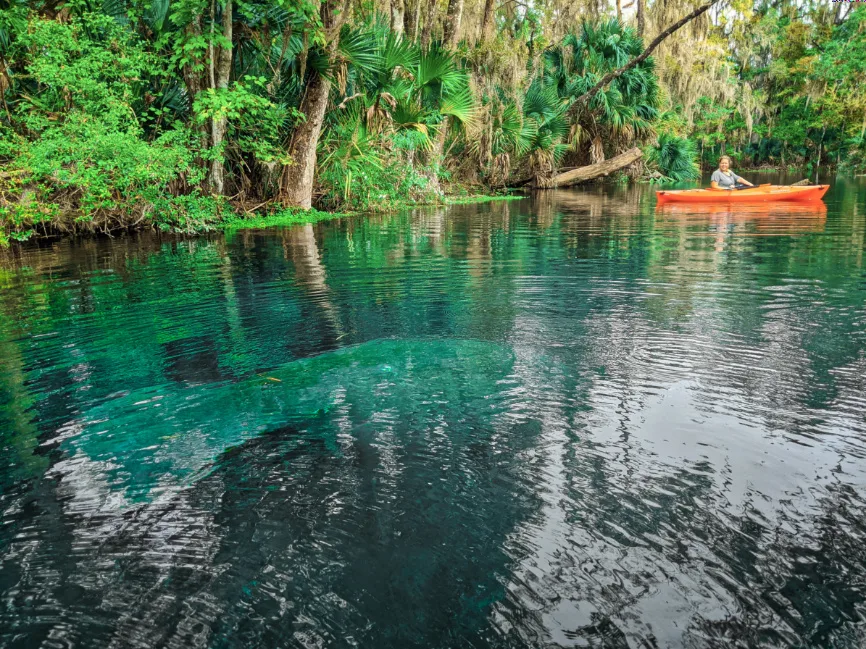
{"points": [[581, 174]]}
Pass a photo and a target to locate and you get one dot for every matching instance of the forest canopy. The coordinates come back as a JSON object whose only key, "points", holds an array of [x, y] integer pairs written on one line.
{"points": [[176, 113]]}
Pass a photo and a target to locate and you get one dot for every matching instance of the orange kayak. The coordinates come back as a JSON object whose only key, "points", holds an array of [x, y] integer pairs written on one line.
{"points": [[760, 193]]}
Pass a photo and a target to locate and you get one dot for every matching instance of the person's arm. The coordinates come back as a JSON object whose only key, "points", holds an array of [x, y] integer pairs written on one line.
{"points": [[744, 181], [714, 184]]}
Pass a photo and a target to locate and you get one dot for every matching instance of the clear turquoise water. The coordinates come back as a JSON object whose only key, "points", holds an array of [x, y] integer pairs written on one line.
{"points": [[570, 420]]}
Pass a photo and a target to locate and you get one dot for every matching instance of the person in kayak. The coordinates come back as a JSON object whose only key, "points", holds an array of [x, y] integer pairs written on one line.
{"points": [[724, 178]]}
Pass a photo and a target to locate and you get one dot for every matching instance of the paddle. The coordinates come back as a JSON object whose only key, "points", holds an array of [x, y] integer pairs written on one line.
{"points": [[740, 189]]}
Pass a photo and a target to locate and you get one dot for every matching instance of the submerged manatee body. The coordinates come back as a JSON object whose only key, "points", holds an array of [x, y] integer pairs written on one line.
{"points": [[171, 434]]}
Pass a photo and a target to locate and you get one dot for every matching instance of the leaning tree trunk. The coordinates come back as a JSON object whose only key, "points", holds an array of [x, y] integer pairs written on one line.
{"points": [[221, 80], [296, 186], [581, 174], [297, 183], [840, 14], [643, 56]]}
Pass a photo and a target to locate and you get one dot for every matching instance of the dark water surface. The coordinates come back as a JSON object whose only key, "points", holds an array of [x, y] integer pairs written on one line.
{"points": [[570, 420]]}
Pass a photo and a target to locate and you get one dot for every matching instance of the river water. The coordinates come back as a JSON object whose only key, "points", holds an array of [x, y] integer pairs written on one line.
{"points": [[568, 420]]}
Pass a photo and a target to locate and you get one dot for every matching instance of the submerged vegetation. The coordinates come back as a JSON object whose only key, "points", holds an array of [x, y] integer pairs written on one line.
{"points": [[185, 115]]}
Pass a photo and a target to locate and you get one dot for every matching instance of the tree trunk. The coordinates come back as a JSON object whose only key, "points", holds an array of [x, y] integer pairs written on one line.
{"points": [[452, 24], [641, 17], [195, 80], [193, 71], [441, 135], [210, 46], [619, 11], [297, 184], [296, 187], [429, 24], [412, 9], [452, 32], [398, 12], [487, 23], [581, 174], [840, 15], [820, 145], [218, 125]]}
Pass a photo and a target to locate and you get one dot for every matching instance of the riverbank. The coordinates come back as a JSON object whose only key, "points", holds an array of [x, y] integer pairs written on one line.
{"points": [[223, 217]]}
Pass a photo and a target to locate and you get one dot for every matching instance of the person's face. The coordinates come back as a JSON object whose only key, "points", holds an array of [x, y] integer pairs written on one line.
{"points": [[724, 164]]}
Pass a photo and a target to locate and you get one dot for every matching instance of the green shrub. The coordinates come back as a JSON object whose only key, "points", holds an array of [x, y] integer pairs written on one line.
{"points": [[254, 122], [83, 174], [360, 171], [87, 163], [675, 158]]}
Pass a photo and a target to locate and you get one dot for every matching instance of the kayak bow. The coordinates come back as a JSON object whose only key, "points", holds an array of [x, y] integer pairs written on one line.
{"points": [[752, 194]]}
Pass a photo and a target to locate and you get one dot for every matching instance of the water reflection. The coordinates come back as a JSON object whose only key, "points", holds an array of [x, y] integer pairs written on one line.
{"points": [[571, 420], [762, 219]]}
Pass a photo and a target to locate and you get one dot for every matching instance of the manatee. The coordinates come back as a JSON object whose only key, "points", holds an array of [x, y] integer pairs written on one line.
{"points": [[170, 434]]}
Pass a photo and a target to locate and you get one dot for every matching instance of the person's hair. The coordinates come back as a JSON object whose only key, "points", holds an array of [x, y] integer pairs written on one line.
{"points": [[725, 157]]}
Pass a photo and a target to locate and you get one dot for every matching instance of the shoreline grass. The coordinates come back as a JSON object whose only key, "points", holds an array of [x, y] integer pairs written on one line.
{"points": [[283, 218], [287, 217]]}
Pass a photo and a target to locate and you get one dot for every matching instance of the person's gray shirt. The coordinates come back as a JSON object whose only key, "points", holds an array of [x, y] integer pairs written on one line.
{"points": [[725, 179]]}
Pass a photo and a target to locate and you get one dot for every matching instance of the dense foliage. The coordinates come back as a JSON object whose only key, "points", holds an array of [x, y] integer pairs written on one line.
{"points": [[180, 114], [783, 88]]}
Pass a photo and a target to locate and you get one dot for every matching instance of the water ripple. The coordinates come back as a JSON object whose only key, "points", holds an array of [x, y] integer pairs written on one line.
{"points": [[567, 421]]}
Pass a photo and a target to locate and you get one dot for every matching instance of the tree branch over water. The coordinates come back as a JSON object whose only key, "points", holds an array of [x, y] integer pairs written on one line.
{"points": [[610, 76]]}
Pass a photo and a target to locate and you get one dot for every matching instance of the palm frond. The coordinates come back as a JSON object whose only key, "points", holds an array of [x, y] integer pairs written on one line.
{"points": [[155, 15], [395, 53], [358, 48], [116, 9], [675, 158], [436, 67], [460, 105]]}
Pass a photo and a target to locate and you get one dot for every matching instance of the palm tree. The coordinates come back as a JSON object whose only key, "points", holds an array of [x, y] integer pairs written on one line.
{"points": [[620, 113], [674, 158], [390, 91], [545, 129], [499, 139]]}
